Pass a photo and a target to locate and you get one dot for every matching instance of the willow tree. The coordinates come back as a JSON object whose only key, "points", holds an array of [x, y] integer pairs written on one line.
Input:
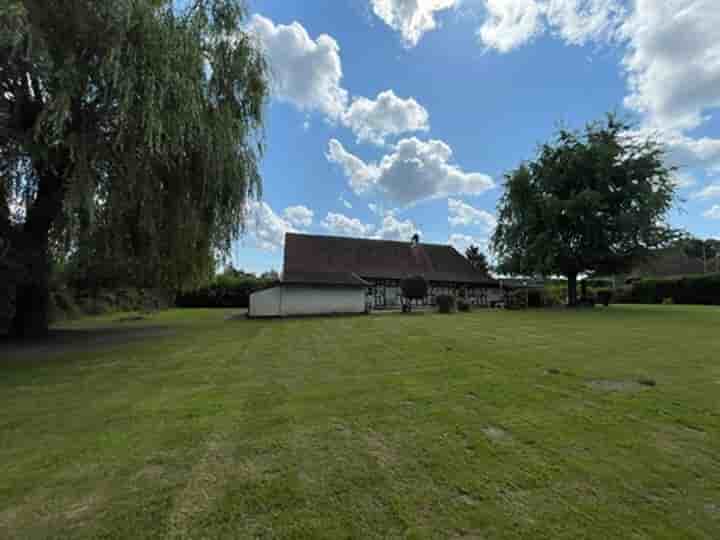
{"points": [[591, 201], [130, 132]]}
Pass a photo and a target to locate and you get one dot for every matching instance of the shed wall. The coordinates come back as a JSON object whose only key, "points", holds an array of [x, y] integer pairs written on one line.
{"points": [[298, 300], [266, 303]]}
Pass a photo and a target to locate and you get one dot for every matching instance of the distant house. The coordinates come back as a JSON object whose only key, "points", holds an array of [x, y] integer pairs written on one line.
{"points": [[330, 274]]}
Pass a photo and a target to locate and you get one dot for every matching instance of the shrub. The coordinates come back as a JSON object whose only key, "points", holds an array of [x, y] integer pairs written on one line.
{"points": [[462, 305], [605, 296], [413, 288], [224, 291], [700, 290], [553, 296], [668, 301], [446, 303]]}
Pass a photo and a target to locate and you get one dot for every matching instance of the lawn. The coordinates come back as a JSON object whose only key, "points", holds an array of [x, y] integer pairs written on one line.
{"points": [[594, 424]]}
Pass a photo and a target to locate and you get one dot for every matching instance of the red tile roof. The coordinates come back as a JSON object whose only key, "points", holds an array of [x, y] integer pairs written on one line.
{"points": [[375, 259]]}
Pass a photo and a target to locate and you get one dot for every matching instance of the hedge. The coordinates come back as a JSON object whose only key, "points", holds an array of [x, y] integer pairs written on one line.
{"points": [[700, 290], [224, 292]]}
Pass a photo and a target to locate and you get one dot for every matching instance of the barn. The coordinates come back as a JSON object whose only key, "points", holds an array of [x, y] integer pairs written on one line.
{"points": [[332, 274]]}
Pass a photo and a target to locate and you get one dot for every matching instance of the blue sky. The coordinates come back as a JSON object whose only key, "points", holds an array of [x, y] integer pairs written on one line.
{"points": [[395, 116]]}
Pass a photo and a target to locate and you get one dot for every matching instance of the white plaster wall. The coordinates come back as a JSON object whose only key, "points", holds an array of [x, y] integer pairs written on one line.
{"points": [[266, 303], [298, 300]]}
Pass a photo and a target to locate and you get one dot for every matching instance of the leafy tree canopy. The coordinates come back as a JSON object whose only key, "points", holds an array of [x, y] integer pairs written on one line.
{"points": [[130, 134], [477, 259], [594, 200]]}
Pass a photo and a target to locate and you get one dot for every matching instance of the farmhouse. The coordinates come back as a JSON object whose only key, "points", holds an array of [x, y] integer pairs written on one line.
{"points": [[330, 274]]}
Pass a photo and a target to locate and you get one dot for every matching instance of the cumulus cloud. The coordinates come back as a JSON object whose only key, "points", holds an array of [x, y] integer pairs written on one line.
{"points": [[673, 62], [673, 72], [386, 115], [342, 225], [713, 213], [308, 73], [300, 216], [361, 175], [391, 228], [267, 228], [512, 23], [415, 170], [461, 213], [412, 18], [305, 72]]}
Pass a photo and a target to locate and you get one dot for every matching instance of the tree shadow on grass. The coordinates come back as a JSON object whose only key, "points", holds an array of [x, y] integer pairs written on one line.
{"points": [[61, 341]]}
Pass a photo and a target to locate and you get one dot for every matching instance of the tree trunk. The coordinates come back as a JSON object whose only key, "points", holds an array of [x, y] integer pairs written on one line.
{"points": [[572, 289], [32, 300], [31, 247]]}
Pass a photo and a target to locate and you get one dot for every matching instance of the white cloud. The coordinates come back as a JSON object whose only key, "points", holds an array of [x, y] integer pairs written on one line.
{"points": [[392, 228], [461, 213], [711, 191], [510, 23], [300, 216], [305, 72], [687, 152], [347, 204], [267, 227], [343, 225], [673, 63], [412, 18], [361, 175], [713, 213], [386, 115], [463, 241], [415, 170], [580, 21]]}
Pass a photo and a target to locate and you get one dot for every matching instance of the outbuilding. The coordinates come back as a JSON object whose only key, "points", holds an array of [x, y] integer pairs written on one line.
{"points": [[311, 293]]}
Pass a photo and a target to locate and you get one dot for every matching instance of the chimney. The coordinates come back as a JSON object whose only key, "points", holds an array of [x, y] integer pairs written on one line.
{"points": [[415, 240]]}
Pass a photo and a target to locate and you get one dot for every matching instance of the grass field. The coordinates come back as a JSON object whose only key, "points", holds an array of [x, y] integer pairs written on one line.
{"points": [[594, 424]]}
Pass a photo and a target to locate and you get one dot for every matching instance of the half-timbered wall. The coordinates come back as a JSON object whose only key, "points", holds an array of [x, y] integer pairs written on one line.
{"points": [[386, 293]]}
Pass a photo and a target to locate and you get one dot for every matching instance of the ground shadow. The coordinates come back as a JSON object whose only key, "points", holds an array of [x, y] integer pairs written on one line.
{"points": [[61, 341]]}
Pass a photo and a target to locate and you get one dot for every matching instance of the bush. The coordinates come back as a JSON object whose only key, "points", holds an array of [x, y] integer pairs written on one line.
{"points": [[462, 305], [446, 303], [700, 290], [668, 302], [605, 296], [413, 288], [223, 292]]}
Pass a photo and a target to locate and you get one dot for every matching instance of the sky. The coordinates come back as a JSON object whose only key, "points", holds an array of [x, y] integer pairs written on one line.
{"points": [[394, 117]]}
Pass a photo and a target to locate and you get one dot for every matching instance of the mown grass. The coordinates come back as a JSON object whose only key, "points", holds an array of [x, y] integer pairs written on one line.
{"points": [[482, 425]]}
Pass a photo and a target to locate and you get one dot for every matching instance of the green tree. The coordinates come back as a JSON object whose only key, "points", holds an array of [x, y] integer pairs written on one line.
{"points": [[707, 250], [130, 134], [591, 201], [477, 259]]}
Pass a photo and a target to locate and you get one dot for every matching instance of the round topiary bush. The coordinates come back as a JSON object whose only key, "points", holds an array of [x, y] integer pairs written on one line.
{"points": [[413, 288]]}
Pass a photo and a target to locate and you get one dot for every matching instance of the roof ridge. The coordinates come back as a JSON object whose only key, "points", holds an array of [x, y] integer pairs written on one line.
{"points": [[365, 239]]}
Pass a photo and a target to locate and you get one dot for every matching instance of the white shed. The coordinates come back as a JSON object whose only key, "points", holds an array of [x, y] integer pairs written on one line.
{"points": [[311, 294]]}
